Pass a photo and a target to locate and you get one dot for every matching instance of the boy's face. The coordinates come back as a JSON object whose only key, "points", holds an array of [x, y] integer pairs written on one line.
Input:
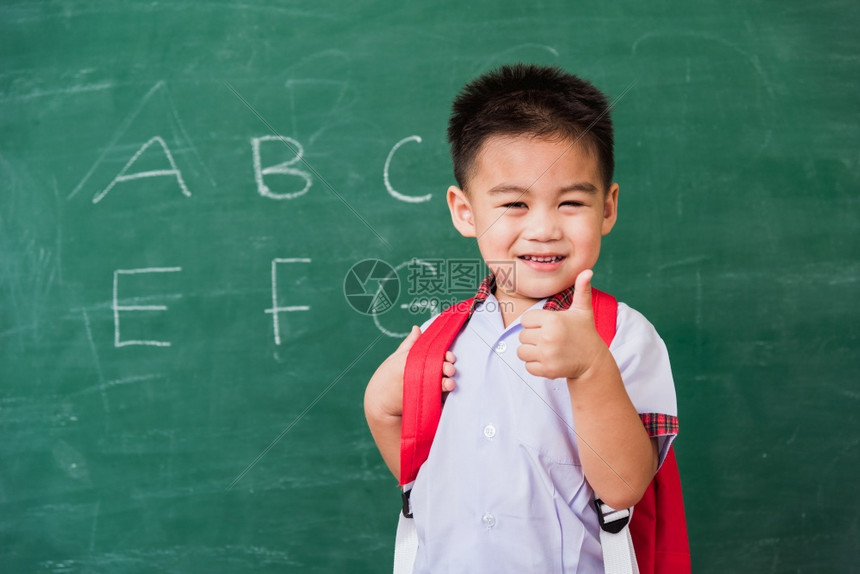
{"points": [[538, 205]]}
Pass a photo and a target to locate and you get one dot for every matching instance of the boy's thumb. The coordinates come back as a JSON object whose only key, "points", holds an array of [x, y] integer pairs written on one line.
{"points": [[582, 291]]}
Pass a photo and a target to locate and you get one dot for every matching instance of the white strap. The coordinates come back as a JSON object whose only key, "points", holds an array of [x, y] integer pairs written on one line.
{"points": [[619, 557], [405, 545]]}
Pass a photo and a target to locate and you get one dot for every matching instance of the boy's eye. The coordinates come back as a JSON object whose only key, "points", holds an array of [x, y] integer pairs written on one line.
{"points": [[573, 203], [514, 205]]}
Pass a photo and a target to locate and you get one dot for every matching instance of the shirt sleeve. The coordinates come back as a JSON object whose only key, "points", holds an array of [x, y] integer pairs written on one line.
{"points": [[643, 361]]}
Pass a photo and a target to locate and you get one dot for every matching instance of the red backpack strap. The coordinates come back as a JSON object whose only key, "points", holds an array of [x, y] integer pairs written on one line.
{"points": [[605, 308], [658, 526], [422, 388]]}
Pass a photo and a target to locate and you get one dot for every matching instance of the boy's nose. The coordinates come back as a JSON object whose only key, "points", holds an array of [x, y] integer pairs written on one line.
{"points": [[542, 226]]}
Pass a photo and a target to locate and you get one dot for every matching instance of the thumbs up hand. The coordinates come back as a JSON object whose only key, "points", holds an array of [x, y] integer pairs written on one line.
{"points": [[555, 344]]}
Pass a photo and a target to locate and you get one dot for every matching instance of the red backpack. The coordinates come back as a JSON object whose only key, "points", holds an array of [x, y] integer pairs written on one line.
{"points": [[658, 527]]}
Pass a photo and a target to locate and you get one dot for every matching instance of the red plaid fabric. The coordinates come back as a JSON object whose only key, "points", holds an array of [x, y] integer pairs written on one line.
{"points": [[558, 302], [658, 424], [485, 289]]}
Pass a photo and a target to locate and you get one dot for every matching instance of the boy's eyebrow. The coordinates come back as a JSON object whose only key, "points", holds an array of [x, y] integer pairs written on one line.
{"points": [[513, 188]]}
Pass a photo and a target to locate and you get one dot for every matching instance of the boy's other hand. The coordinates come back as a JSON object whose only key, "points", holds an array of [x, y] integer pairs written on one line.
{"points": [[384, 394], [448, 371], [556, 344], [383, 403]]}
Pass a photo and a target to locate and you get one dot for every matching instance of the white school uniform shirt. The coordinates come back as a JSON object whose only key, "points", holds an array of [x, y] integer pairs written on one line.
{"points": [[503, 489]]}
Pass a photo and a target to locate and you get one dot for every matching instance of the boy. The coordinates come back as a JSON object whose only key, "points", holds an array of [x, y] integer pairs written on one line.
{"points": [[540, 417]]}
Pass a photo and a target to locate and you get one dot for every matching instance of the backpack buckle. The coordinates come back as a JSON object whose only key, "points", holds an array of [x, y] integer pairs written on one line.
{"points": [[611, 520], [407, 509]]}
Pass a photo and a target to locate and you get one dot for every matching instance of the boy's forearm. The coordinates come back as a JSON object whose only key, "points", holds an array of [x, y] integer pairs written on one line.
{"points": [[383, 403], [618, 458], [385, 429]]}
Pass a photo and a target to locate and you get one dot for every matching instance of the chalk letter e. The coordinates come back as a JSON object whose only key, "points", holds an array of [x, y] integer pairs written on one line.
{"points": [[275, 307], [117, 340]]}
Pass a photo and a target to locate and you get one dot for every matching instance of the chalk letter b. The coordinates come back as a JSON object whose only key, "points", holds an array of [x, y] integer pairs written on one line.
{"points": [[283, 168]]}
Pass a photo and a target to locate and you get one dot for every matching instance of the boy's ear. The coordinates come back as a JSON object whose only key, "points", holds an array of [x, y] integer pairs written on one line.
{"points": [[610, 208], [461, 212]]}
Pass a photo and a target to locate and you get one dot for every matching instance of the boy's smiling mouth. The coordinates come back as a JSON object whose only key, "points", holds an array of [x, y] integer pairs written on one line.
{"points": [[542, 258]]}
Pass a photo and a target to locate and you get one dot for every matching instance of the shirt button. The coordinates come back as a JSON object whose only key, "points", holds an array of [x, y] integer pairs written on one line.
{"points": [[501, 347], [489, 520], [489, 431]]}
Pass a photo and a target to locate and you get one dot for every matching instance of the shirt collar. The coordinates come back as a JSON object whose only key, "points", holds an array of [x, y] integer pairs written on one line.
{"points": [[559, 302]]}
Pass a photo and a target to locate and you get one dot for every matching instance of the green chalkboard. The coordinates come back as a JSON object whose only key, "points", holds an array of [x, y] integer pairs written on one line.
{"points": [[185, 187]]}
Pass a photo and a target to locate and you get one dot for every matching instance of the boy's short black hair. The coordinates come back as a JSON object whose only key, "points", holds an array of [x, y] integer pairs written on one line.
{"points": [[532, 100]]}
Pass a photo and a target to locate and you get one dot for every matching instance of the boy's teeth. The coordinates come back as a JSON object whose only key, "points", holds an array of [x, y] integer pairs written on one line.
{"points": [[542, 259]]}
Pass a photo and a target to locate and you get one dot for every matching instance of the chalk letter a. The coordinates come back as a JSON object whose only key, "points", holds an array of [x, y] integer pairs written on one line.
{"points": [[123, 175]]}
